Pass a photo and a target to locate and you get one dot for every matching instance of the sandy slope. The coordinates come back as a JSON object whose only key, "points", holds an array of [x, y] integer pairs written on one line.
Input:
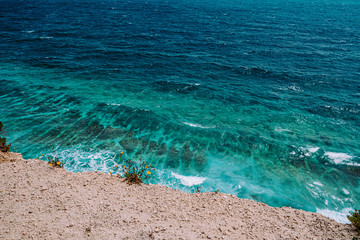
{"points": [[41, 202]]}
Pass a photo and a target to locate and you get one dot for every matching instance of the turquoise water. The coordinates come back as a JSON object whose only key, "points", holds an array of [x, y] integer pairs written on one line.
{"points": [[258, 99]]}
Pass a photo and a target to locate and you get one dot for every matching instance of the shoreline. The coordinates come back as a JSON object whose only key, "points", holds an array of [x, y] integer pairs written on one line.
{"points": [[42, 202]]}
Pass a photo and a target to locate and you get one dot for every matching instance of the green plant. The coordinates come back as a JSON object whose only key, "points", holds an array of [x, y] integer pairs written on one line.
{"points": [[3, 146], [53, 159], [134, 172], [354, 218]]}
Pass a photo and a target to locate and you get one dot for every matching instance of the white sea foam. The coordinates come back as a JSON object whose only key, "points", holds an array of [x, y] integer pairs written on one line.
{"points": [[96, 160], [279, 129], [340, 158], [318, 184], [295, 88], [189, 180], [308, 150], [314, 188], [337, 199], [339, 216], [313, 191], [346, 191], [291, 87], [195, 125], [113, 104], [312, 149]]}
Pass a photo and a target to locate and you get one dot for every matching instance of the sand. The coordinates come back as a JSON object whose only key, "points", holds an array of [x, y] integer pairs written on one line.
{"points": [[42, 202]]}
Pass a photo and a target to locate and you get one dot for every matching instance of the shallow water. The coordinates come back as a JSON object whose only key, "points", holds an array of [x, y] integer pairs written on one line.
{"points": [[259, 99]]}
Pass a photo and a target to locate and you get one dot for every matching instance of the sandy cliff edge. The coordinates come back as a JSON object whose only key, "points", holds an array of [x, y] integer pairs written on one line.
{"points": [[41, 202]]}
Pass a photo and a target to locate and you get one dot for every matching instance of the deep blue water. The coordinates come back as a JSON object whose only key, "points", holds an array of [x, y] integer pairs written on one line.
{"points": [[259, 99]]}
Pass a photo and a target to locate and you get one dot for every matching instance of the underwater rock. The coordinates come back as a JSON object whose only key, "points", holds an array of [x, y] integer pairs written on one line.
{"points": [[129, 134], [162, 149], [200, 161], [173, 159], [94, 129], [326, 140], [152, 146], [351, 170], [107, 145], [144, 143], [72, 115], [129, 144], [187, 155], [111, 133]]}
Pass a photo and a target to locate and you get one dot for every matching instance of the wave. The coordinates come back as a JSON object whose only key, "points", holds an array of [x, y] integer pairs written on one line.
{"points": [[338, 216], [337, 158], [80, 158], [340, 158], [46, 37], [166, 86], [344, 112], [195, 125], [279, 129], [312, 149], [189, 180], [114, 104]]}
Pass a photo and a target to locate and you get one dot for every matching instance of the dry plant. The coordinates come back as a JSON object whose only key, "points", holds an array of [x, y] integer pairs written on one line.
{"points": [[53, 159], [3, 146], [134, 172]]}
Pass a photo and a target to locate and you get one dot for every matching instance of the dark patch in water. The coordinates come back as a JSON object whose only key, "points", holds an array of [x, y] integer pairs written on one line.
{"points": [[129, 144], [94, 129], [187, 155], [111, 133], [200, 161], [173, 160], [326, 140], [143, 148], [352, 170], [152, 146], [107, 145], [162, 150]]}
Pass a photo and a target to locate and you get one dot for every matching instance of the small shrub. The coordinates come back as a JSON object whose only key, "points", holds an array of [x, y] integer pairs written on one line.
{"points": [[53, 159], [3, 146], [134, 172], [354, 218]]}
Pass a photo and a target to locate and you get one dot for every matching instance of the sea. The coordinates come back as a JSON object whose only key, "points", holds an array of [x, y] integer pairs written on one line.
{"points": [[256, 98]]}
